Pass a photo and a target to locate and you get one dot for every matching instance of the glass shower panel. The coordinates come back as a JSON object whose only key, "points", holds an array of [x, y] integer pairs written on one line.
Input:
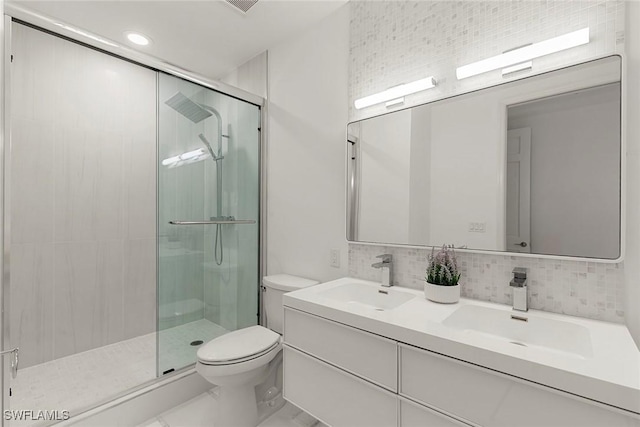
{"points": [[208, 211]]}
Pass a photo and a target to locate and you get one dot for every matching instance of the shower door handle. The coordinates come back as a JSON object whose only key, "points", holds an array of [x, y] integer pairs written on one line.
{"points": [[14, 360], [235, 221]]}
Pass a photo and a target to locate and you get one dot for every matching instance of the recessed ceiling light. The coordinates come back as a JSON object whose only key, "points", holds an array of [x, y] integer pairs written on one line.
{"points": [[137, 38]]}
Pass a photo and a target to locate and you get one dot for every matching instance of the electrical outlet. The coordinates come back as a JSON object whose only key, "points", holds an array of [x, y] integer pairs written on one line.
{"points": [[477, 227], [334, 258]]}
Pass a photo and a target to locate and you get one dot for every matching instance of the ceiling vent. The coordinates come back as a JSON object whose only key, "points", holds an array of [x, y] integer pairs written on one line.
{"points": [[242, 5]]}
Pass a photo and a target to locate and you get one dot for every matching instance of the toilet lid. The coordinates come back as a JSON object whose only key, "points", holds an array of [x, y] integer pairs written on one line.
{"points": [[238, 345]]}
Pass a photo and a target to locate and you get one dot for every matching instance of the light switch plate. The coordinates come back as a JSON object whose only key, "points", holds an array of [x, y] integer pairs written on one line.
{"points": [[334, 258]]}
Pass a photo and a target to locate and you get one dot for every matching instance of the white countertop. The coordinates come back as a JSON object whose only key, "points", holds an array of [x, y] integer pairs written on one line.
{"points": [[611, 376]]}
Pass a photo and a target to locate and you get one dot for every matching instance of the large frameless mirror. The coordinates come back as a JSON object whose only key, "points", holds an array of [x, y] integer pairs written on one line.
{"points": [[529, 166]]}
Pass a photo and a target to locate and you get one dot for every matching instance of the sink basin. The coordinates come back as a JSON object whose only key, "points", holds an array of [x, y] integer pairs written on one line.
{"points": [[367, 296], [523, 329]]}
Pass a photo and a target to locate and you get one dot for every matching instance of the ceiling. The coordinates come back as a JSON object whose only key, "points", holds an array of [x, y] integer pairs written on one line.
{"points": [[207, 37]]}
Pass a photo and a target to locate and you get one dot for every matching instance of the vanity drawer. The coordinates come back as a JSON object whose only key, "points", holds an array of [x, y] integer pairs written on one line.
{"points": [[335, 397], [415, 415], [492, 399], [369, 356]]}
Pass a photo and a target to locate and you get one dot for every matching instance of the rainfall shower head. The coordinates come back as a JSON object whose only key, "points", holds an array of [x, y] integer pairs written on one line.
{"points": [[187, 108]]}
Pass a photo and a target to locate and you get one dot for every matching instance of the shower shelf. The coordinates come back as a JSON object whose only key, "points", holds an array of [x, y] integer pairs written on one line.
{"points": [[236, 221]]}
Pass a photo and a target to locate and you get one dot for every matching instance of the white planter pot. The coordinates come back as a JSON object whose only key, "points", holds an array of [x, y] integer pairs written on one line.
{"points": [[442, 294]]}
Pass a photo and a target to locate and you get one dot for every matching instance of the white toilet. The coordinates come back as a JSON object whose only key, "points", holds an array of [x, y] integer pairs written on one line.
{"points": [[239, 360]]}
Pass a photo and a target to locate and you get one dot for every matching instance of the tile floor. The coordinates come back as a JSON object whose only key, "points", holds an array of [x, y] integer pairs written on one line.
{"points": [[86, 379], [198, 412]]}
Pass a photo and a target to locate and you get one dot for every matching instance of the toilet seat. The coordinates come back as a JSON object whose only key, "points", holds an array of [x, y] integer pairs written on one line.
{"points": [[239, 346]]}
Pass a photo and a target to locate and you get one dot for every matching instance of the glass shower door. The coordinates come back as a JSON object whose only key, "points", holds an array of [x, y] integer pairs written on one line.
{"points": [[208, 212]]}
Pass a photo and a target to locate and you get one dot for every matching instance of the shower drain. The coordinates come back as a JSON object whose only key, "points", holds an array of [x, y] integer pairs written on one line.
{"points": [[196, 342]]}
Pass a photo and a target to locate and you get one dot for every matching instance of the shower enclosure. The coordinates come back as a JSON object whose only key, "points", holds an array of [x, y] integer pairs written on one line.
{"points": [[131, 222], [208, 208]]}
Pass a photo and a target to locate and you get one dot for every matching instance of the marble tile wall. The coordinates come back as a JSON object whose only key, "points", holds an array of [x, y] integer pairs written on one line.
{"points": [[82, 198], [394, 42]]}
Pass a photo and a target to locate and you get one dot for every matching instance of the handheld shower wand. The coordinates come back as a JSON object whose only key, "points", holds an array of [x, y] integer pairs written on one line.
{"points": [[205, 141]]}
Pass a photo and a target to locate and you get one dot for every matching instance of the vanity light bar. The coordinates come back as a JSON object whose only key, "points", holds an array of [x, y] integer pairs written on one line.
{"points": [[395, 92], [527, 53]]}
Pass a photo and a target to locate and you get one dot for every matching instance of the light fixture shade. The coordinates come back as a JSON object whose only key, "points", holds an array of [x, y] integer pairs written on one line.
{"points": [[396, 92], [524, 54]]}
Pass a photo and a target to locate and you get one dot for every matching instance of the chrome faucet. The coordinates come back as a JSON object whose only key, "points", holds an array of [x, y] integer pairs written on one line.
{"points": [[387, 269], [519, 285]]}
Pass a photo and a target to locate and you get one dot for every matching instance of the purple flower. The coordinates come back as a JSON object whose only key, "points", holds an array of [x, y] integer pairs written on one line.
{"points": [[443, 267]]}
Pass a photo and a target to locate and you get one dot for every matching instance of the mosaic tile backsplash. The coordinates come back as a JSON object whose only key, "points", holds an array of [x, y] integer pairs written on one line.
{"points": [[576, 288], [394, 42]]}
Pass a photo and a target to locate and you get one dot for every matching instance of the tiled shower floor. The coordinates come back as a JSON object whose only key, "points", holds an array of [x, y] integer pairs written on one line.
{"points": [[83, 380]]}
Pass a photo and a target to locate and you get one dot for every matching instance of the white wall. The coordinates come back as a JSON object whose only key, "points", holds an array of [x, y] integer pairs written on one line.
{"points": [[465, 166], [632, 92], [306, 179], [384, 178], [575, 171], [250, 76], [420, 179]]}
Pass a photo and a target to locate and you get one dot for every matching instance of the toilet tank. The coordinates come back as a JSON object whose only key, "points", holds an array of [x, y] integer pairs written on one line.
{"points": [[276, 286]]}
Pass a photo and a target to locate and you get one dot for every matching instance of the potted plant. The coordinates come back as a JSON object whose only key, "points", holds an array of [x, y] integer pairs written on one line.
{"points": [[442, 276]]}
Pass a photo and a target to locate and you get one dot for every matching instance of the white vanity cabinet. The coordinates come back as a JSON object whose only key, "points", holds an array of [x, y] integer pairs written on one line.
{"points": [[368, 356], [488, 398], [334, 396], [349, 377], [413, 414]]}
